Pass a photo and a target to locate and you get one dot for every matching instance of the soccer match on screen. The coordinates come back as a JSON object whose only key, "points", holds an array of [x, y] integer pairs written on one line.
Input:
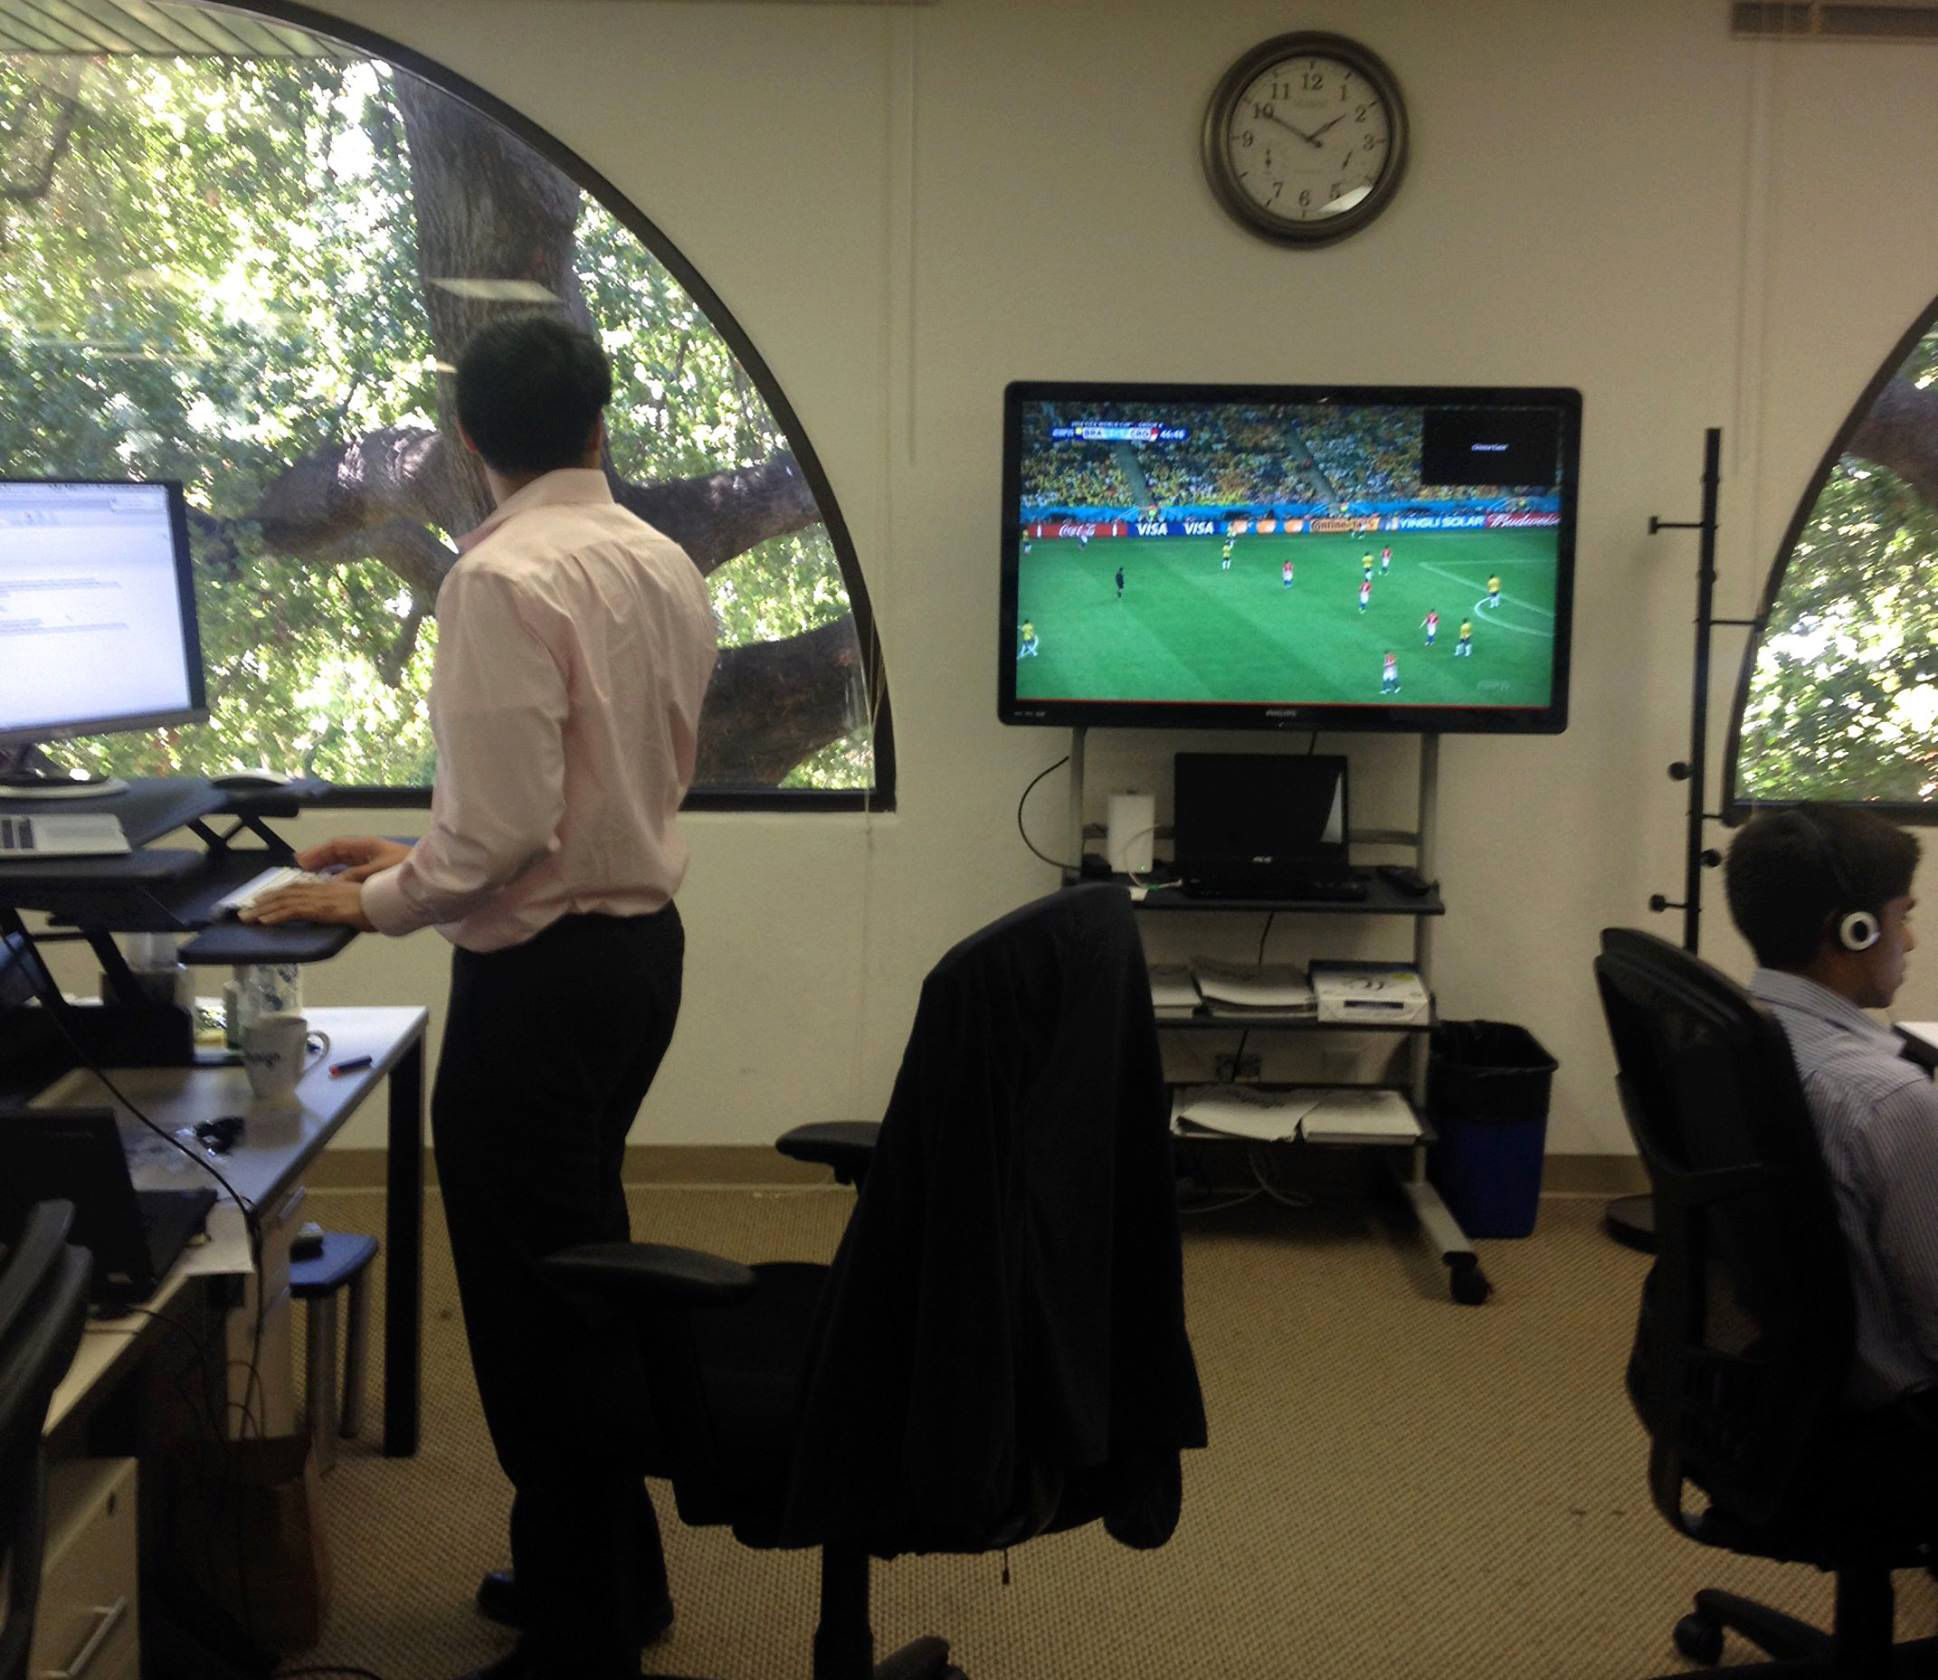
{"points": [[1287, 554]]}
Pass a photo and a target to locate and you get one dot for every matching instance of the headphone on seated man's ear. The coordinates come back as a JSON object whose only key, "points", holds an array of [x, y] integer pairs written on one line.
{"points": [[1857, 930]]}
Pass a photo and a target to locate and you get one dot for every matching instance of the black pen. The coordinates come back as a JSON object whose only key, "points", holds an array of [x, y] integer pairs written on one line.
{"points": [[353, 1065]]}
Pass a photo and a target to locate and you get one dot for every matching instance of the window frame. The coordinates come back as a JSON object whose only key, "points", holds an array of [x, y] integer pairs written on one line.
{"points": [[881, 797], [1736, 809]]}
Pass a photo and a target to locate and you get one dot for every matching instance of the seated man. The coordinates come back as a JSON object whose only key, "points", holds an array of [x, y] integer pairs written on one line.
{"points": [[1823, 894]]}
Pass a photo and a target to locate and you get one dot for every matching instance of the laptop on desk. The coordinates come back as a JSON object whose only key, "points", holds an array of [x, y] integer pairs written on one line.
{"points": [[76, 1154], [1263, 826]]}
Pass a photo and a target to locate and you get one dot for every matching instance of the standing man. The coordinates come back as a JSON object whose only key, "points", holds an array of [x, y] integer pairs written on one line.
{"points": [[1120, 583], [1365, 593], [1389, 677], [1385, 560], [574, 648], [1431, 624], [1225, 563], [1464, 648], [1285, 575], [1823, 894], [1494, 591]]}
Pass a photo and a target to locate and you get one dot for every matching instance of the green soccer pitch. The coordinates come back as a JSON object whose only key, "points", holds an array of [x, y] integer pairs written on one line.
{"points": [[1188, 630]]}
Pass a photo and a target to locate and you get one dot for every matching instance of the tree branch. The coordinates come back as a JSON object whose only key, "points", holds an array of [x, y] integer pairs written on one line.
{"points": [[377, 494], [67, 111], [773, 703], [1901, 433]]}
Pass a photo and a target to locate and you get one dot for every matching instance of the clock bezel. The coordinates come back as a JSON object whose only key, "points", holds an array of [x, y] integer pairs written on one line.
{"points": [[1221, 169]]}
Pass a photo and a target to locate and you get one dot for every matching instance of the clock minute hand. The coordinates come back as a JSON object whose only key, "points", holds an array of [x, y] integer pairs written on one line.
{"points": [[1273, 116], [1314, 135]]}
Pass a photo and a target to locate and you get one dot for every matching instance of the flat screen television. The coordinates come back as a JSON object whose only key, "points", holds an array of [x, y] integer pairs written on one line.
{"points": [[1287, 557]]}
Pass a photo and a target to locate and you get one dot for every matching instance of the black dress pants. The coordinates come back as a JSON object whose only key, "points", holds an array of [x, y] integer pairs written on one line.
{"points": [[549, 1048]]}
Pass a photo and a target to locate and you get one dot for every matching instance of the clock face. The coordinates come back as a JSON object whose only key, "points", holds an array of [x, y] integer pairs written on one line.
{"points": [[1306, 138]]}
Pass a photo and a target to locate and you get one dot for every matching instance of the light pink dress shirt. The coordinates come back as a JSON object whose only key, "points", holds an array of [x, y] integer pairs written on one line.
{"points": [[574, 645]]}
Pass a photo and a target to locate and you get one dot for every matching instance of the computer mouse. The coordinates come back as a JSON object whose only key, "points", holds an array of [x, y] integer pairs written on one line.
{"points": [[236, 780]]}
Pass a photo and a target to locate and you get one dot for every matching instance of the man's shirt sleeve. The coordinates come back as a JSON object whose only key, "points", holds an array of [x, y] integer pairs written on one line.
{"points": [[1902, 1143], [498, 708]]}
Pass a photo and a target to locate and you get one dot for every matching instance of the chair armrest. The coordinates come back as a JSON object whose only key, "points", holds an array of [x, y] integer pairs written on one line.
{"points": [[848, 1146], [651, 1273]]}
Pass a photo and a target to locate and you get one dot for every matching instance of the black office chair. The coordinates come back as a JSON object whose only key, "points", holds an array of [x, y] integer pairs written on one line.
{"points": [[998, 1349], [43, 1302], [1744, 1344]]}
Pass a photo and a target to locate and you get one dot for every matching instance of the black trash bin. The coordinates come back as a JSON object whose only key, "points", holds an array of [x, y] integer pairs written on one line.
{"points": [[1487, 1095]]}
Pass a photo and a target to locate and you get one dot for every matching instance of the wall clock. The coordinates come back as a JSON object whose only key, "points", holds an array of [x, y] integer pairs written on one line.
{"points": [[1305, 138]]}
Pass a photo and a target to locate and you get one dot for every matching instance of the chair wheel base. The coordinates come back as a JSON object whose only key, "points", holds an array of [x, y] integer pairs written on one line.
{"points": [[921, 1659], [1700, 1639]]}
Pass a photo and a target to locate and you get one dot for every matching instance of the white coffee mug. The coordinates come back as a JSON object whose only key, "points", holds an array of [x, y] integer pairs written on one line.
{"points": [[273, 1054]]}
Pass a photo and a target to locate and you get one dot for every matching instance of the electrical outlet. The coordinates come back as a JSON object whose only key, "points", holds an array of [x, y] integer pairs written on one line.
{"points": [[1235, 1070]]}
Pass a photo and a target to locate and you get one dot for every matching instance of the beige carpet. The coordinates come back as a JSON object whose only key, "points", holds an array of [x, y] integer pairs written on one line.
{"points": [[1395, 1485]]}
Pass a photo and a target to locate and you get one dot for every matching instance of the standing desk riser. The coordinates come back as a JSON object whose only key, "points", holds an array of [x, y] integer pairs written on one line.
{"points": [[156, 890]]}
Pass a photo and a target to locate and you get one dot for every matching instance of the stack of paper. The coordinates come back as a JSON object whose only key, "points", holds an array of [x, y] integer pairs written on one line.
{"points": [[1362, 1115], [1241, 1111], [1174, 994], [1258, 992]]}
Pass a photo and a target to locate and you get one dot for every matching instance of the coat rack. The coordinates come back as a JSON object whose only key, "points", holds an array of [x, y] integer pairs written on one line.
{"points": [[1631, 1219]]}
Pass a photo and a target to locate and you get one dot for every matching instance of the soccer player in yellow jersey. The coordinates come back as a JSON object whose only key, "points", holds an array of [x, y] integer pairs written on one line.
{"points": [[1366, 565], [1027, 630], [1494, 591], [1464, 648]]}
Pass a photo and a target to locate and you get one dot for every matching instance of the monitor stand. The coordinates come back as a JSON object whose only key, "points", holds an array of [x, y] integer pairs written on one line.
{"points": [[27, 773]]}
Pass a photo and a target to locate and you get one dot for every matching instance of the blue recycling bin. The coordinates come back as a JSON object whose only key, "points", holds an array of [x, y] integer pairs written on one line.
{"points": [[1488, 1084]]}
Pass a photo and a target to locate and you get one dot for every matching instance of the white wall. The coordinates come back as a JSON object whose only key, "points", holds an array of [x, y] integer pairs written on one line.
{"points": [[907, 208]]}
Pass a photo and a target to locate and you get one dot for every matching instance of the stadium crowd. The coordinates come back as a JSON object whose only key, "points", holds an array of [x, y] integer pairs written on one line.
{"points": [[1241, 457]]}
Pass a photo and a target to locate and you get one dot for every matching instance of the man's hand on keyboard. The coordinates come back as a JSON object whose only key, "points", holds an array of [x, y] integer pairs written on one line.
{"points": [[337, 902], [362, 855]]}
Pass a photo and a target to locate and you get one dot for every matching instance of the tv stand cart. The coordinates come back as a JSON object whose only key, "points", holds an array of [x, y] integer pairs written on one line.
{"points": [[1408, 1161]]}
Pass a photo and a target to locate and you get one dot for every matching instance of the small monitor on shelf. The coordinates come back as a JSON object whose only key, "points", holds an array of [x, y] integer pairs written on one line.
{"points": [[97, 622], [1287, 557]]}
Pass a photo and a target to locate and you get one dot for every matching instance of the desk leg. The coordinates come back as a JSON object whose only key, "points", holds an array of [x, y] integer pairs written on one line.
{"points": [[404, 1264]]}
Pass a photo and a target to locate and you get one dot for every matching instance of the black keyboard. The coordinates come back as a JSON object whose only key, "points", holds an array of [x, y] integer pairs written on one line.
{"points": [[1312, 889]]}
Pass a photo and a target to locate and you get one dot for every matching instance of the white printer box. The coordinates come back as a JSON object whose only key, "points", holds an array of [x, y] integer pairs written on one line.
{"points": [[1370, 991]]}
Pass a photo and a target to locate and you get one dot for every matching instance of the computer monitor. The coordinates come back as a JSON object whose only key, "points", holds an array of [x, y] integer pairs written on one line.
{"points": [[1287, 557], [97, 618]]}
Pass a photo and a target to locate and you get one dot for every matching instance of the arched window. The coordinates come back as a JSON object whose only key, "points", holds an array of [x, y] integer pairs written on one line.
{"points": [[244, 255], [1839, 693]]}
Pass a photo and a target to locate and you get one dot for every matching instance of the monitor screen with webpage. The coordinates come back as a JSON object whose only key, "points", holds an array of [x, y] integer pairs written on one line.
{"points": [[1287, 557], [97, 610]]}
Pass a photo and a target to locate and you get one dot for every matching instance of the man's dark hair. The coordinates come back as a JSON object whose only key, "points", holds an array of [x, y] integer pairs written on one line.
{"points": [[529, 390], [1790, 872]]}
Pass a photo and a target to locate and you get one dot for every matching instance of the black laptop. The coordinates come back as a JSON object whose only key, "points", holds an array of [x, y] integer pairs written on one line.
{"points": [[76, 1154], [1263, 826]]}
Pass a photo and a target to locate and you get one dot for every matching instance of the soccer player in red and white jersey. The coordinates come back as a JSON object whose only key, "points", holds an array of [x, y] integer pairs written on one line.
{"points": [[1431, 624], [1285, 573], [1365, 593], [1389, 680], [1385, 561]]}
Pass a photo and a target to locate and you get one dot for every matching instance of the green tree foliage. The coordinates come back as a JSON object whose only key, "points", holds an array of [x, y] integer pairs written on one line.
{"points": [[218, 274], [1843, 696]]}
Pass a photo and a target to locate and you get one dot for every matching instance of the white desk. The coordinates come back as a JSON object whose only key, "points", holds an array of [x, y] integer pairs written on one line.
{"points": [[1920, 1041], [264, 1167]]}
